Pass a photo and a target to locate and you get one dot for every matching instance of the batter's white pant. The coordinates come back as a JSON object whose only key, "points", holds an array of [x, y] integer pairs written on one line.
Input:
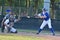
{"points": [[45, 23]]}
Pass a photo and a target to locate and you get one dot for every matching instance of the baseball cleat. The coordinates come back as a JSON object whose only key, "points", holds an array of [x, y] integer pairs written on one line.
{"points": [[53, 34], [37, 33]]}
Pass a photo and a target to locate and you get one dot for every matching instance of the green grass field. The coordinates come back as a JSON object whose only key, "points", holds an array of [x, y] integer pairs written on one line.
{"points": [[20, 37], [8, 36], [27, 35]]}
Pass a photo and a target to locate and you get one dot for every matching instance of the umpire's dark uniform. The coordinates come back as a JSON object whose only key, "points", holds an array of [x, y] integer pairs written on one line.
{"points": [[3, 26], [4, 19]]}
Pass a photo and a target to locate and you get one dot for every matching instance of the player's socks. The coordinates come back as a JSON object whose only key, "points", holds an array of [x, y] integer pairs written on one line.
{"points": [[52, 31], [39, 31], [2, 29]]}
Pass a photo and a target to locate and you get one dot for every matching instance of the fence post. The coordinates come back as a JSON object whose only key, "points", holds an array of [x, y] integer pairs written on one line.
{"points": [[2, 7], [47, 5]]}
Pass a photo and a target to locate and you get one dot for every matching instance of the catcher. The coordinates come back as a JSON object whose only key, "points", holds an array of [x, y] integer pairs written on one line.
{"points": [[9, 24]]}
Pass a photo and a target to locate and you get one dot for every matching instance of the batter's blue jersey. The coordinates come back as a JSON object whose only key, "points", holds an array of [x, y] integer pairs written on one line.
{"points": [[47, 16]]}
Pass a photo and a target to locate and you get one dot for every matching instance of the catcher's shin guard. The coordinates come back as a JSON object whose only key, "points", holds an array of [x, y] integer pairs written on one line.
{"points": [[8, 29], [14, 32]]}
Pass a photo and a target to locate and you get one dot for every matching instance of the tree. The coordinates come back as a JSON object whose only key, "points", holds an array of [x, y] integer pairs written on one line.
{"points": [[23, 5], [53, 7], [52, 3]]}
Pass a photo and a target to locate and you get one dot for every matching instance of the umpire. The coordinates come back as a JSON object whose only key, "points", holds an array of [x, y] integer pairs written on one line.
{"points": [[6, 17]]}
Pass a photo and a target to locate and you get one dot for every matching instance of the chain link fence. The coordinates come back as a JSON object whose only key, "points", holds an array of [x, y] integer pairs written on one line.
{"points": [[31, 23], [57, 10]]}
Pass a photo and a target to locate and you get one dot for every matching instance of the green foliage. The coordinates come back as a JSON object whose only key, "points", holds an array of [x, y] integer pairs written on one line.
{"points": [[31, 6], [1, 2], [57, 0]]}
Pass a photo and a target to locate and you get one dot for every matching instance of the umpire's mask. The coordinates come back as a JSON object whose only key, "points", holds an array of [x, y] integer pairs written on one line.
{"points": [[11, 18]]}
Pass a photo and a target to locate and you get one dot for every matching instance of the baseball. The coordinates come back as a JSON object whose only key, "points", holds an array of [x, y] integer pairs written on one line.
{"points": [[28, 16], [39, 14]]}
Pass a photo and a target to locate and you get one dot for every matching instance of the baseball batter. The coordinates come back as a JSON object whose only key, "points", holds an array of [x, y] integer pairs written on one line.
{"points": [[46, 20]]}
